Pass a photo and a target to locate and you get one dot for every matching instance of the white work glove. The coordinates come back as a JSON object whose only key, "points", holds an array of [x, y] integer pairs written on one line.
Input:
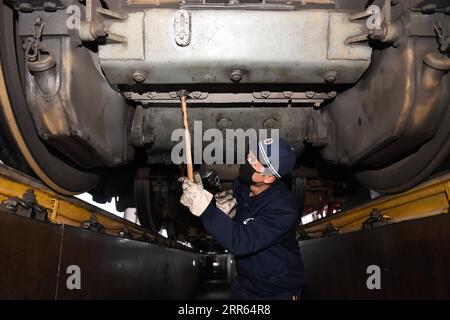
{"points": [[194, 196], [226, 202]]}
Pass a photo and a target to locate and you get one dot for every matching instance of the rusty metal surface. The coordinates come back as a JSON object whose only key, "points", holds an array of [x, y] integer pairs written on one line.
{"points": [[35, 257], [414, 258]]}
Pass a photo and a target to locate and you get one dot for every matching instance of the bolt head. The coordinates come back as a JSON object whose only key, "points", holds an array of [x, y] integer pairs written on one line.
{"points": [[330, 76], [25, 7], [236, 75], [50, 6], [310, 94], [270, 123], [196, 94], [225, 123], [287, 94], [265, 94], [139, 76]]}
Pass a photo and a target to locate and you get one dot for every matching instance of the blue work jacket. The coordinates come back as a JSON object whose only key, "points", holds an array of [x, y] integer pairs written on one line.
{"points": [[262, 236]]}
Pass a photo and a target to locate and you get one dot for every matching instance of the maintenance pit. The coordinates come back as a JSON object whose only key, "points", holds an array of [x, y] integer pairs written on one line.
{"points": [[44, 253], [122, 102]]}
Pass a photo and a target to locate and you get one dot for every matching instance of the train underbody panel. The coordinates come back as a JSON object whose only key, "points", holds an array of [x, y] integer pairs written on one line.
{"points": [[90, 91]]}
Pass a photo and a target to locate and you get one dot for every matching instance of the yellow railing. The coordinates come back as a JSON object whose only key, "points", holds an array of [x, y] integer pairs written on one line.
{"points": [[430, 198]]}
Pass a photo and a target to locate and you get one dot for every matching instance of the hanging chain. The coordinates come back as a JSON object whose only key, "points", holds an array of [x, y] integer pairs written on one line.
{"points": [[33, 43]]}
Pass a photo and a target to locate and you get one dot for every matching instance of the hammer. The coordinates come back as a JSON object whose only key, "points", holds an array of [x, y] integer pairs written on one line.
{"points": [[187, 135]]}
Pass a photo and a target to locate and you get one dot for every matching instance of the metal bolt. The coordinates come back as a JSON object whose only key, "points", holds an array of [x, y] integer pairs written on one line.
{"points": [[270, 123], [151, 95], [50, 6], [43, 134], [287, 94], [332, 94], [139, 76], [173, 94], [265, 94], [310, 94], [330, 76], [29, 196], [25, 7], [225, 123], [11, 205], [128, 95], [76, 133], [197, 94], [429, 8], [236, 75]]}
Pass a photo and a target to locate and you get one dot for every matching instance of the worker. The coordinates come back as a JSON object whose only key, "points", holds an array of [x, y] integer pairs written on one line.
{"points": [[262, 233]]}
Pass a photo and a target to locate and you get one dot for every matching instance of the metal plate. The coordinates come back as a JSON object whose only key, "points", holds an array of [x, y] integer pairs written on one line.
{"points": [[35, 257], [414, 258], [225, 40]]}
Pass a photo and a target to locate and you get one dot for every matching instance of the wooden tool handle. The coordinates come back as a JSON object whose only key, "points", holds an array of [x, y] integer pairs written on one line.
{"points": [[187, 140]]}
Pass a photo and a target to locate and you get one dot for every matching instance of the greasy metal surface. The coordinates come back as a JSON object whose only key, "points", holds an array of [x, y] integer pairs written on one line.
{"points": [[24, 148], [414, 258], [36, 256], [428, 199], [71, 116], [401, 127], [292, 122], [268, 46], [393, 122]]}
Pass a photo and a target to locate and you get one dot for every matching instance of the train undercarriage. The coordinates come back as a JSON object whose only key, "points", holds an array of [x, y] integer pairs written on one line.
{"points": [[90, 91]]}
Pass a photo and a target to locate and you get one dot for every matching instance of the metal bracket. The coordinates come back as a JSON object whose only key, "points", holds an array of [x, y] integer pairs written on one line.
{"points": [[309, 97], [26, 207], [330, 230], [383, 29], [376, 219], [93, 225], [125, 233], [94, 26]]}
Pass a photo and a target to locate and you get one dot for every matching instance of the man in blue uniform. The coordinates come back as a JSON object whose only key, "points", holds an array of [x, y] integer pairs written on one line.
{"points": [[257, 222]]}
